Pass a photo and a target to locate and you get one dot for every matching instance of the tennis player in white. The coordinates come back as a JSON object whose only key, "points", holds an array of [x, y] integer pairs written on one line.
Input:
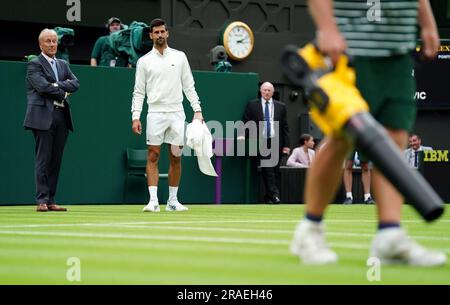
{"points": [[163, 75]]}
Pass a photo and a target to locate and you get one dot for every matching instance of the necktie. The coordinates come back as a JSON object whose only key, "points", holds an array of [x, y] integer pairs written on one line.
{"points": [[55, 70], [416, 155], [267, 119]]}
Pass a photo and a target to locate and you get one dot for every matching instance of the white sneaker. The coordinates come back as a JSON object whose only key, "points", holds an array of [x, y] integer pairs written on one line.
{"points": [[393, 246], [174, 205], [151, 207], [310, 246]]}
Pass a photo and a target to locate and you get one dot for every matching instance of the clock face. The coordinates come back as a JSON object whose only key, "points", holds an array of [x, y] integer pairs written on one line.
{"points": [[238, 40]]}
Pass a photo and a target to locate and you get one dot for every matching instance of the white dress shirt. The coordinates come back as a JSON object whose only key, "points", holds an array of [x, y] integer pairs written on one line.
{"points": [[50, 60], [271, 113]]}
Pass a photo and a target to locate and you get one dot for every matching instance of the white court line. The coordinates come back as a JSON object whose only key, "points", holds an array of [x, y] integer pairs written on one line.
{"points": [[264, 231], [143, 223], [196, 222], [151, 237], [356, 246]]}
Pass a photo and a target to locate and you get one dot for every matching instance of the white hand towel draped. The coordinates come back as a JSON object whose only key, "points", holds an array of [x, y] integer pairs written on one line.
{"points": [[198, 138]]}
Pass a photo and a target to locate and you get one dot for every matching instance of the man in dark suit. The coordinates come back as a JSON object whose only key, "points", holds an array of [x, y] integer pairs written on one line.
{"points": [[49, 82], [272, 128]]}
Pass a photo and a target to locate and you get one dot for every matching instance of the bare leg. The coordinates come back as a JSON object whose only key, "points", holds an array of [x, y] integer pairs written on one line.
{"points": [[365, 176], [348, 176], [324, 176], [175, 165], [322, 181], [152, 165]]}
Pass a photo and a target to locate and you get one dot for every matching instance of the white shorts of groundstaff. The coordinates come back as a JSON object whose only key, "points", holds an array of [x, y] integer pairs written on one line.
{"points": [[165, 127]]}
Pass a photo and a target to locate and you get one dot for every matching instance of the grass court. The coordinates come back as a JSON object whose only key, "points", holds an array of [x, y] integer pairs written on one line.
{"points": [[209, 244]]}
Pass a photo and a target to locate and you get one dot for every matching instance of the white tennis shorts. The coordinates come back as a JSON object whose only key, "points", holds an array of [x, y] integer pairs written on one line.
{"points": [[165, 127]]}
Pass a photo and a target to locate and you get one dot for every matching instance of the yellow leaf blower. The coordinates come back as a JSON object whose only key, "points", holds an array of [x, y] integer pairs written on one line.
{"points": [[338, 109]]}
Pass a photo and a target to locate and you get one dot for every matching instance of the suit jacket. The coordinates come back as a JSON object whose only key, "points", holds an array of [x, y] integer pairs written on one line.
{"points": [[409, 154], [41, 92], [254, 112]]}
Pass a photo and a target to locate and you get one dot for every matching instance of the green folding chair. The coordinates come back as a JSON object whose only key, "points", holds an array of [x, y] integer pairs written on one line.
{"points": [[136, 167]]}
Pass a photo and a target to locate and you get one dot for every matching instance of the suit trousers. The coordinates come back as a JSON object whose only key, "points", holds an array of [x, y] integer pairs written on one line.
{"points": [[48, 156], [271, 176]]}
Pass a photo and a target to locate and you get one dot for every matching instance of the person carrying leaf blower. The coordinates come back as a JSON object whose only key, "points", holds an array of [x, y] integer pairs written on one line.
{"points": [[340, 97]]}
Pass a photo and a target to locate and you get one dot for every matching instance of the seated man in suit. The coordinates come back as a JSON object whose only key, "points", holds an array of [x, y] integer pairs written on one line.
{"points": [[49, 82], [411, 154], [271, 120]]}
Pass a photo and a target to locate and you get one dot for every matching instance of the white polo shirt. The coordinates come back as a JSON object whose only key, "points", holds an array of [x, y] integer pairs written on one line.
{"points": [[163, 79]]}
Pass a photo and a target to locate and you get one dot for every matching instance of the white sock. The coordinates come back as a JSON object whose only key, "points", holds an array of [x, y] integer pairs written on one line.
{"points": [[153, 191], [173, 190], [349, 195], [367, 196]]}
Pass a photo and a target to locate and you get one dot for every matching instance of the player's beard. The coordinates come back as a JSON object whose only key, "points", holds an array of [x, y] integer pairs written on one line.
{"points": [[160, 42]]}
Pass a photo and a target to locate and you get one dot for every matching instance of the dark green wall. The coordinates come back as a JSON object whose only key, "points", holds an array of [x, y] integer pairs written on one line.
{"points": [[93, 169], [92, 13]]}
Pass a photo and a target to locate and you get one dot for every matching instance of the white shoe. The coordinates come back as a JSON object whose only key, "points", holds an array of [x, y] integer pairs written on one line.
{"points": [[393, 246], [310, 246], [151, 207], [174, 205]]}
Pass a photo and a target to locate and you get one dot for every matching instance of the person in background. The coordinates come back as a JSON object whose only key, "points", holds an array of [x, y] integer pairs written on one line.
{"points": [[49, 83], [304, 155], [102, 53], [268, 111], [411, 154], [365, 177]]}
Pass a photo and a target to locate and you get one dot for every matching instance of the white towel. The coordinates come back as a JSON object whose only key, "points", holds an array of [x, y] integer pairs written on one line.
{"points": [[198, 137]]}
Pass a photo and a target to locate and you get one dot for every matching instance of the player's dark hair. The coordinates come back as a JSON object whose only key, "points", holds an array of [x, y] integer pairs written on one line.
{"points": [[157, 22]]}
